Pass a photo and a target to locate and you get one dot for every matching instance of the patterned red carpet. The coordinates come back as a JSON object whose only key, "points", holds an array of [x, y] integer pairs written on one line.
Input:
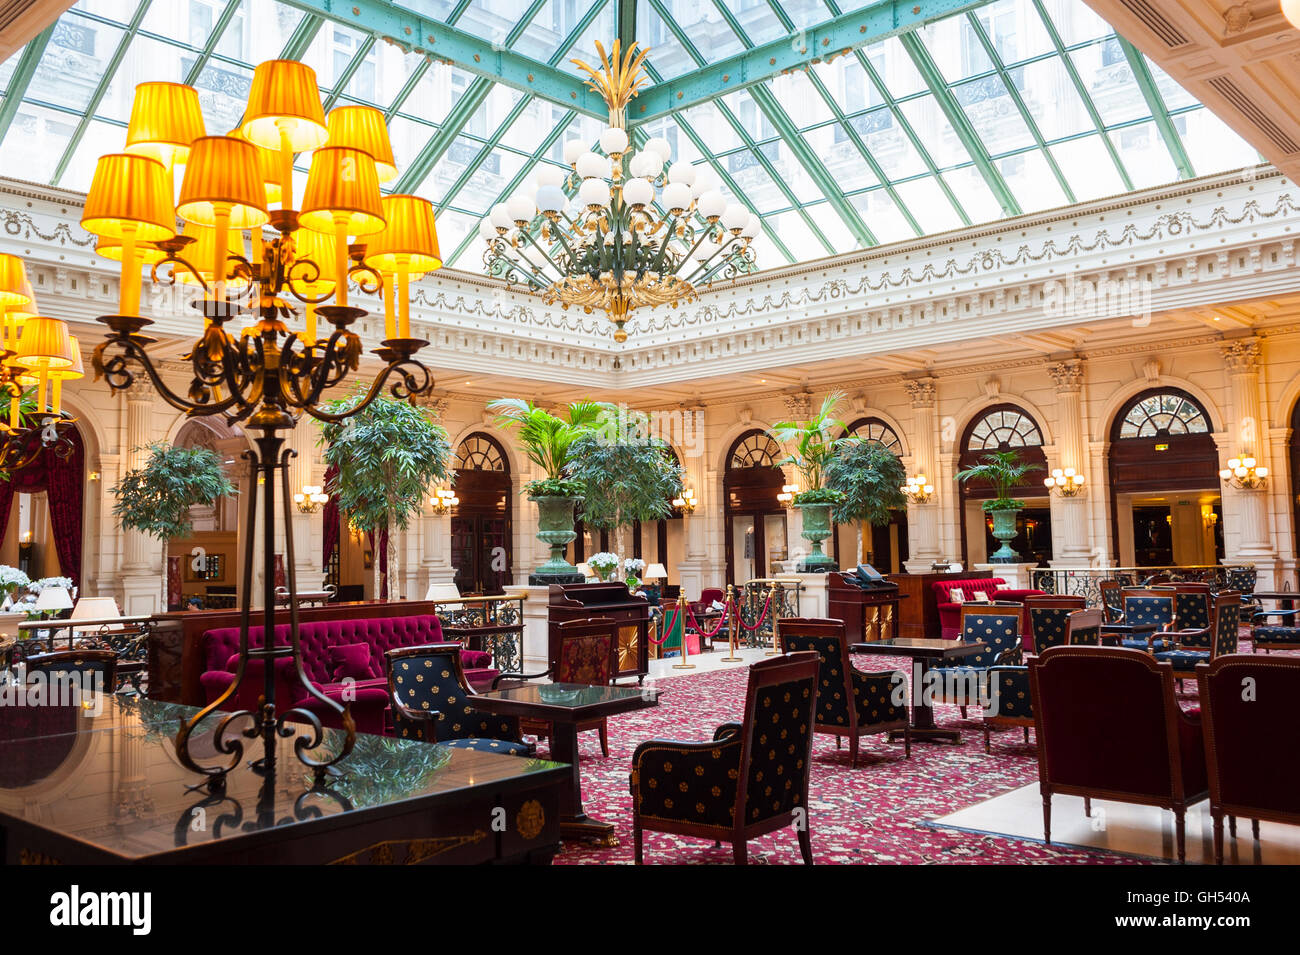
{"points": [[872, 814]]}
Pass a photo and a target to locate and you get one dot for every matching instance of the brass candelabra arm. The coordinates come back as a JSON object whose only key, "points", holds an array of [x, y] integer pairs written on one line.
{"points": [[410, 379]]}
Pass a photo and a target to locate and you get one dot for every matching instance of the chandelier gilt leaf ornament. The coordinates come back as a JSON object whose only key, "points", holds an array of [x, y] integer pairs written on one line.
{"points": [[631, 236]]}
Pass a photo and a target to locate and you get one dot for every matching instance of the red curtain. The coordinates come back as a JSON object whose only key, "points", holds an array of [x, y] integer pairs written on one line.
{"points": [[63, 480]]}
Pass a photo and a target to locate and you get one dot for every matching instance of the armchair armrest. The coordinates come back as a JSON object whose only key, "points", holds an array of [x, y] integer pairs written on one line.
{"points": [[1011, 656], [519, 676], [727, 730], [1173, 639], [690, 781], [421, 721]]}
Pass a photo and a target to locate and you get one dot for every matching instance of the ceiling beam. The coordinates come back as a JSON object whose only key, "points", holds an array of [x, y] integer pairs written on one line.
{"points": [[22, 78], [485, 58], [839, 35]]}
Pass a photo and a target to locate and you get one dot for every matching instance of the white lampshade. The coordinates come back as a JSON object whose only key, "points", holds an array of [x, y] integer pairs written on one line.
{"points": [[676, 197], [1291, 10], [573, 148], [95, 608], [753, 227], [735, 216], [548, 175], [520, 209], [656, 572], [442, 592], [53, 598], [661, 146], [638, 192], [500, 216], [613, 140], [551, 199], [682, 172], [592, 166], [646, 164], [712, 204], [594, 192], [486, 230], [706, 180]]}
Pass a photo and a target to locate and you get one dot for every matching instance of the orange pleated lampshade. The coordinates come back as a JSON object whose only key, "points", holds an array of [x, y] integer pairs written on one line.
{"points": [[203, 250], [342, 183], [14, 287], [111, 248], [129, 194], [46, 342], [165, 119], [410, 239], [268, 162], [20, 313], [284, 95], [319, 248], [363, 127], [223, 170]]}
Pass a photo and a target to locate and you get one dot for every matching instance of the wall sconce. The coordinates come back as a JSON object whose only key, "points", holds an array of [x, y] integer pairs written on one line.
{"points": [[1243, 473], [310, 499], [786, 497], [917, 490], [443, 500], [687, 503], [1067, 482], [1208, 517], [92, 476]]}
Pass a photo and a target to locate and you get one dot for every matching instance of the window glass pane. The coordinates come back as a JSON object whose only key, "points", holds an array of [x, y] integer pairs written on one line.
{"points": [[848, 84], [445, 172], [97, 139], [889, 144], [437, 92], [1175, 96], [74, 62], [407, 138], [832, 145], [119, 10], [753, 180], [492, 19], [993, 113], [223, 93], [1075, 22], [1144, 155], [796, 235], [1052, 99], [584, 48], [881, 214], [932, 128], [542, 37], [713, 128], [955, 48], [1110, 82], [258, 31], [7, 69], [974, 194], [894, 66], [36, 139], [331, 51], [1031, 181], [833, 226], [186, 21], [928, 204], [1088, 168], [489, 181], [1211, 144], [703, 23], [800, 99], [1015, 29]]}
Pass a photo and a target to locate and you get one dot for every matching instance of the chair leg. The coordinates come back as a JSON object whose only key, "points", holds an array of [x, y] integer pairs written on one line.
{"points": [[838, 743], [907, 742], [1180, 834], [636, 845], [604, 739], [1047, 818], [1026, 734], [987, 748], [1218, 838], [740, 852], [1232, 826], [853, 752], [717, 843], [1254, 829], [805, 842], [963, 712], [1087, 806]]}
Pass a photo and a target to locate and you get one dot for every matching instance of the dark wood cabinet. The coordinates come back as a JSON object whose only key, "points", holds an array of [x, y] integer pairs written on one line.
{"points": [[579, 601], [919, 614], [869, 614]]}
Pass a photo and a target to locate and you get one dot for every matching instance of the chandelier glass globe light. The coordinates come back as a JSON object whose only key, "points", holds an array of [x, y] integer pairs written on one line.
{"points": [[627, 227]]}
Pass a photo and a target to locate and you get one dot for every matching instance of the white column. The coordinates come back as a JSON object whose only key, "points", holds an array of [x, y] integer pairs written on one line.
{"points": [[693, 573], [435, 551], [142, 577], [307, 570], [923, 519], [1071, 545], [1241, 358]]}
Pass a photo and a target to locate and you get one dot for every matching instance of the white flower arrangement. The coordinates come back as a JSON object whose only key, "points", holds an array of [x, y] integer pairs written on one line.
{"points": [[45, 583], [633, 566], [603, 563], [12, 580]]}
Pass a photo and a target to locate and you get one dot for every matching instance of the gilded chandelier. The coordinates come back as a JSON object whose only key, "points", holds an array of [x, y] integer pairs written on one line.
{"points": [[619, 247]]}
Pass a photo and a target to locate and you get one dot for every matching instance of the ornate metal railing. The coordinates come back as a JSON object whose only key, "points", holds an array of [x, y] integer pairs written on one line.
{"points": [[751, 597], [128, 637], [494, 624], [1085, 582]]}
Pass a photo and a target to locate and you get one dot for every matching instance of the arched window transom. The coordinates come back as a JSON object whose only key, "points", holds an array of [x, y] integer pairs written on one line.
{"points": [[757, 450], [1005, 428], [1163, 413], [873, 429], [478, 453]]}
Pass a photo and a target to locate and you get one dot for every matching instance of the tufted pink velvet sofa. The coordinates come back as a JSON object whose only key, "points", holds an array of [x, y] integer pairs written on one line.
{"points": [[995, 587], [370, 692]]}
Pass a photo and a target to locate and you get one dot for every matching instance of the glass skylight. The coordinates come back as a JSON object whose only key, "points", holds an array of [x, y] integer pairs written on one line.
{"points": [[1016, 106]]}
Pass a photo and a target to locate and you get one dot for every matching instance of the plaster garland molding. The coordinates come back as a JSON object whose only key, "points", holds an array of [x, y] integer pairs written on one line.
{"points": [[1241, 355]]}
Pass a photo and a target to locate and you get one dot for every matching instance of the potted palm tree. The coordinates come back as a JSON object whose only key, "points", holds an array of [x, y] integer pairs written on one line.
{"points": [[870, 477], [547, 440], [1003, 470], [812, 448]]}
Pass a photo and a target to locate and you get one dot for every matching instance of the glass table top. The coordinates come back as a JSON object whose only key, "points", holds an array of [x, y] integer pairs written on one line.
{"points": [[570, 695]]}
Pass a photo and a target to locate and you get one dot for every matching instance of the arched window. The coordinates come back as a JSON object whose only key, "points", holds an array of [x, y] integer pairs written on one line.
{"points": [[873, 429], [757, 449], [1003, 428], [478, 452], [1162, 413]]}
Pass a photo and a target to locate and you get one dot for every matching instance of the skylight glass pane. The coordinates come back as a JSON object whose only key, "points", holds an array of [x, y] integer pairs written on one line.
{"points": [[408, 138], [258, 31], [703, 23], [452, 228], [120, 11], [931, 126], [1212, 145], [1051, 98], [1031, 180], [36, 139], [832, 225], [974, 194], [800, 100], [1110, 82], [146, 60], [489, 181], [584, 48], [7, 69], [1088, 168], [381, 79], [753, 180], [74, 62], [533, 125], [1015, 29], [447, 170], [1144, 155], [331, 51], [434, 9], [882, 216], [223, 92], [888, 144], [893, 64], [186, 21], [926, 201], [766, 253], [97, 139], [955, 48], [491, 20], [437, 92], [712, 127], [492, 111], [1075, 22], [791, 171], [796, 235], [832, 145], [993, 113], [848, 84], [1175, 96], [758, 20]]}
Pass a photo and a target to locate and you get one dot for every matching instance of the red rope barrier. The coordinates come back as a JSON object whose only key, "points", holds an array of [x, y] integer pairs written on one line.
{"points": [[670, 622], [710, 634], [761, 617]]}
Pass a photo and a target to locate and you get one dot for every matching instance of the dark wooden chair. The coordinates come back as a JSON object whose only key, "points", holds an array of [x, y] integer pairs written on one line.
{"points": [[1248, 777], [1083, 627], [749, 780], [1188, 648], [1047, 615], [585, 655], [1109, 726], [997, 626], [1152, 607], [1112, 600], [432, 701], [850, 702]]}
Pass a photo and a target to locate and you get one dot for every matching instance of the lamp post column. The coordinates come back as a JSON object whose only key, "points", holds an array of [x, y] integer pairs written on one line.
{"points": [[923, 519]]}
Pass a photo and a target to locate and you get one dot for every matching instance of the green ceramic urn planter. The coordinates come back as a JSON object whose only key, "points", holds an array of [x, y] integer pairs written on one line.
{"points": [[1004, 529], [816, 528], [555, 529]]}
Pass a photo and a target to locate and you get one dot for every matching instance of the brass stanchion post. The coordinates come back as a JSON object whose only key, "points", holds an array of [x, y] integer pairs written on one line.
{"points": [[774, 607], [681, 617], [729, 608]]}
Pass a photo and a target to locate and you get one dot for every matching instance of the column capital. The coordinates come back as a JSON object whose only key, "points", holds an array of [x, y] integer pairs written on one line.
{"points": [[1067, 374], [921, 391], [798, 404], [1241, 355], [140, 389]]}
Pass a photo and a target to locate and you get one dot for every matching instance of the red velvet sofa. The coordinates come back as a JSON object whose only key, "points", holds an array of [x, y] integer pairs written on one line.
{"points": [[995, 587], [324, 663]]}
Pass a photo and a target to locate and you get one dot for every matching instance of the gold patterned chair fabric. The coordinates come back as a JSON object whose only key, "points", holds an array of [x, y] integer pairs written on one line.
{"points": [[750, 779], [850, 702]]}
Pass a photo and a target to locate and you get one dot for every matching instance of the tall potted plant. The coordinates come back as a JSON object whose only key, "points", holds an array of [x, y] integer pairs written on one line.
{"points": [[1003, 470], [547, 440], [870, 477], [812, 447], [387, 457]]}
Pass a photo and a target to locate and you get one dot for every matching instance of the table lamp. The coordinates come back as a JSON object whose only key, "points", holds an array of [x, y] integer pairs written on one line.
{"points": [[405, 249], [655, 572], [53, 600]]}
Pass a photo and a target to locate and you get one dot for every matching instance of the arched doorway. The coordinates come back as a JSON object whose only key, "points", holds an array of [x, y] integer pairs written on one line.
{"points": [[885, 548], [42, 511], [755, 520], [1164, 482], [481, 522], [1005, 427]]}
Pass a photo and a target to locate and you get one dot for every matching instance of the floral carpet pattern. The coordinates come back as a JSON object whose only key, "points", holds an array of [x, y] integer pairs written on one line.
{"points": [[876, 813]]}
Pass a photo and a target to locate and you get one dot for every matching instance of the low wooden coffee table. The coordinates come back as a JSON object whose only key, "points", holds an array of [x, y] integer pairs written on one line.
{"points": [[926, 651], [565, 705]]}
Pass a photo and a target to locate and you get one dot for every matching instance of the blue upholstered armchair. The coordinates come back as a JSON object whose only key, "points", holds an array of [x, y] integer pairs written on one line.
{"points": [[1226, 621], [1148, 607], [998, 628], [1048, 615], [750, 779], [850, 702], [432, 701]]}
